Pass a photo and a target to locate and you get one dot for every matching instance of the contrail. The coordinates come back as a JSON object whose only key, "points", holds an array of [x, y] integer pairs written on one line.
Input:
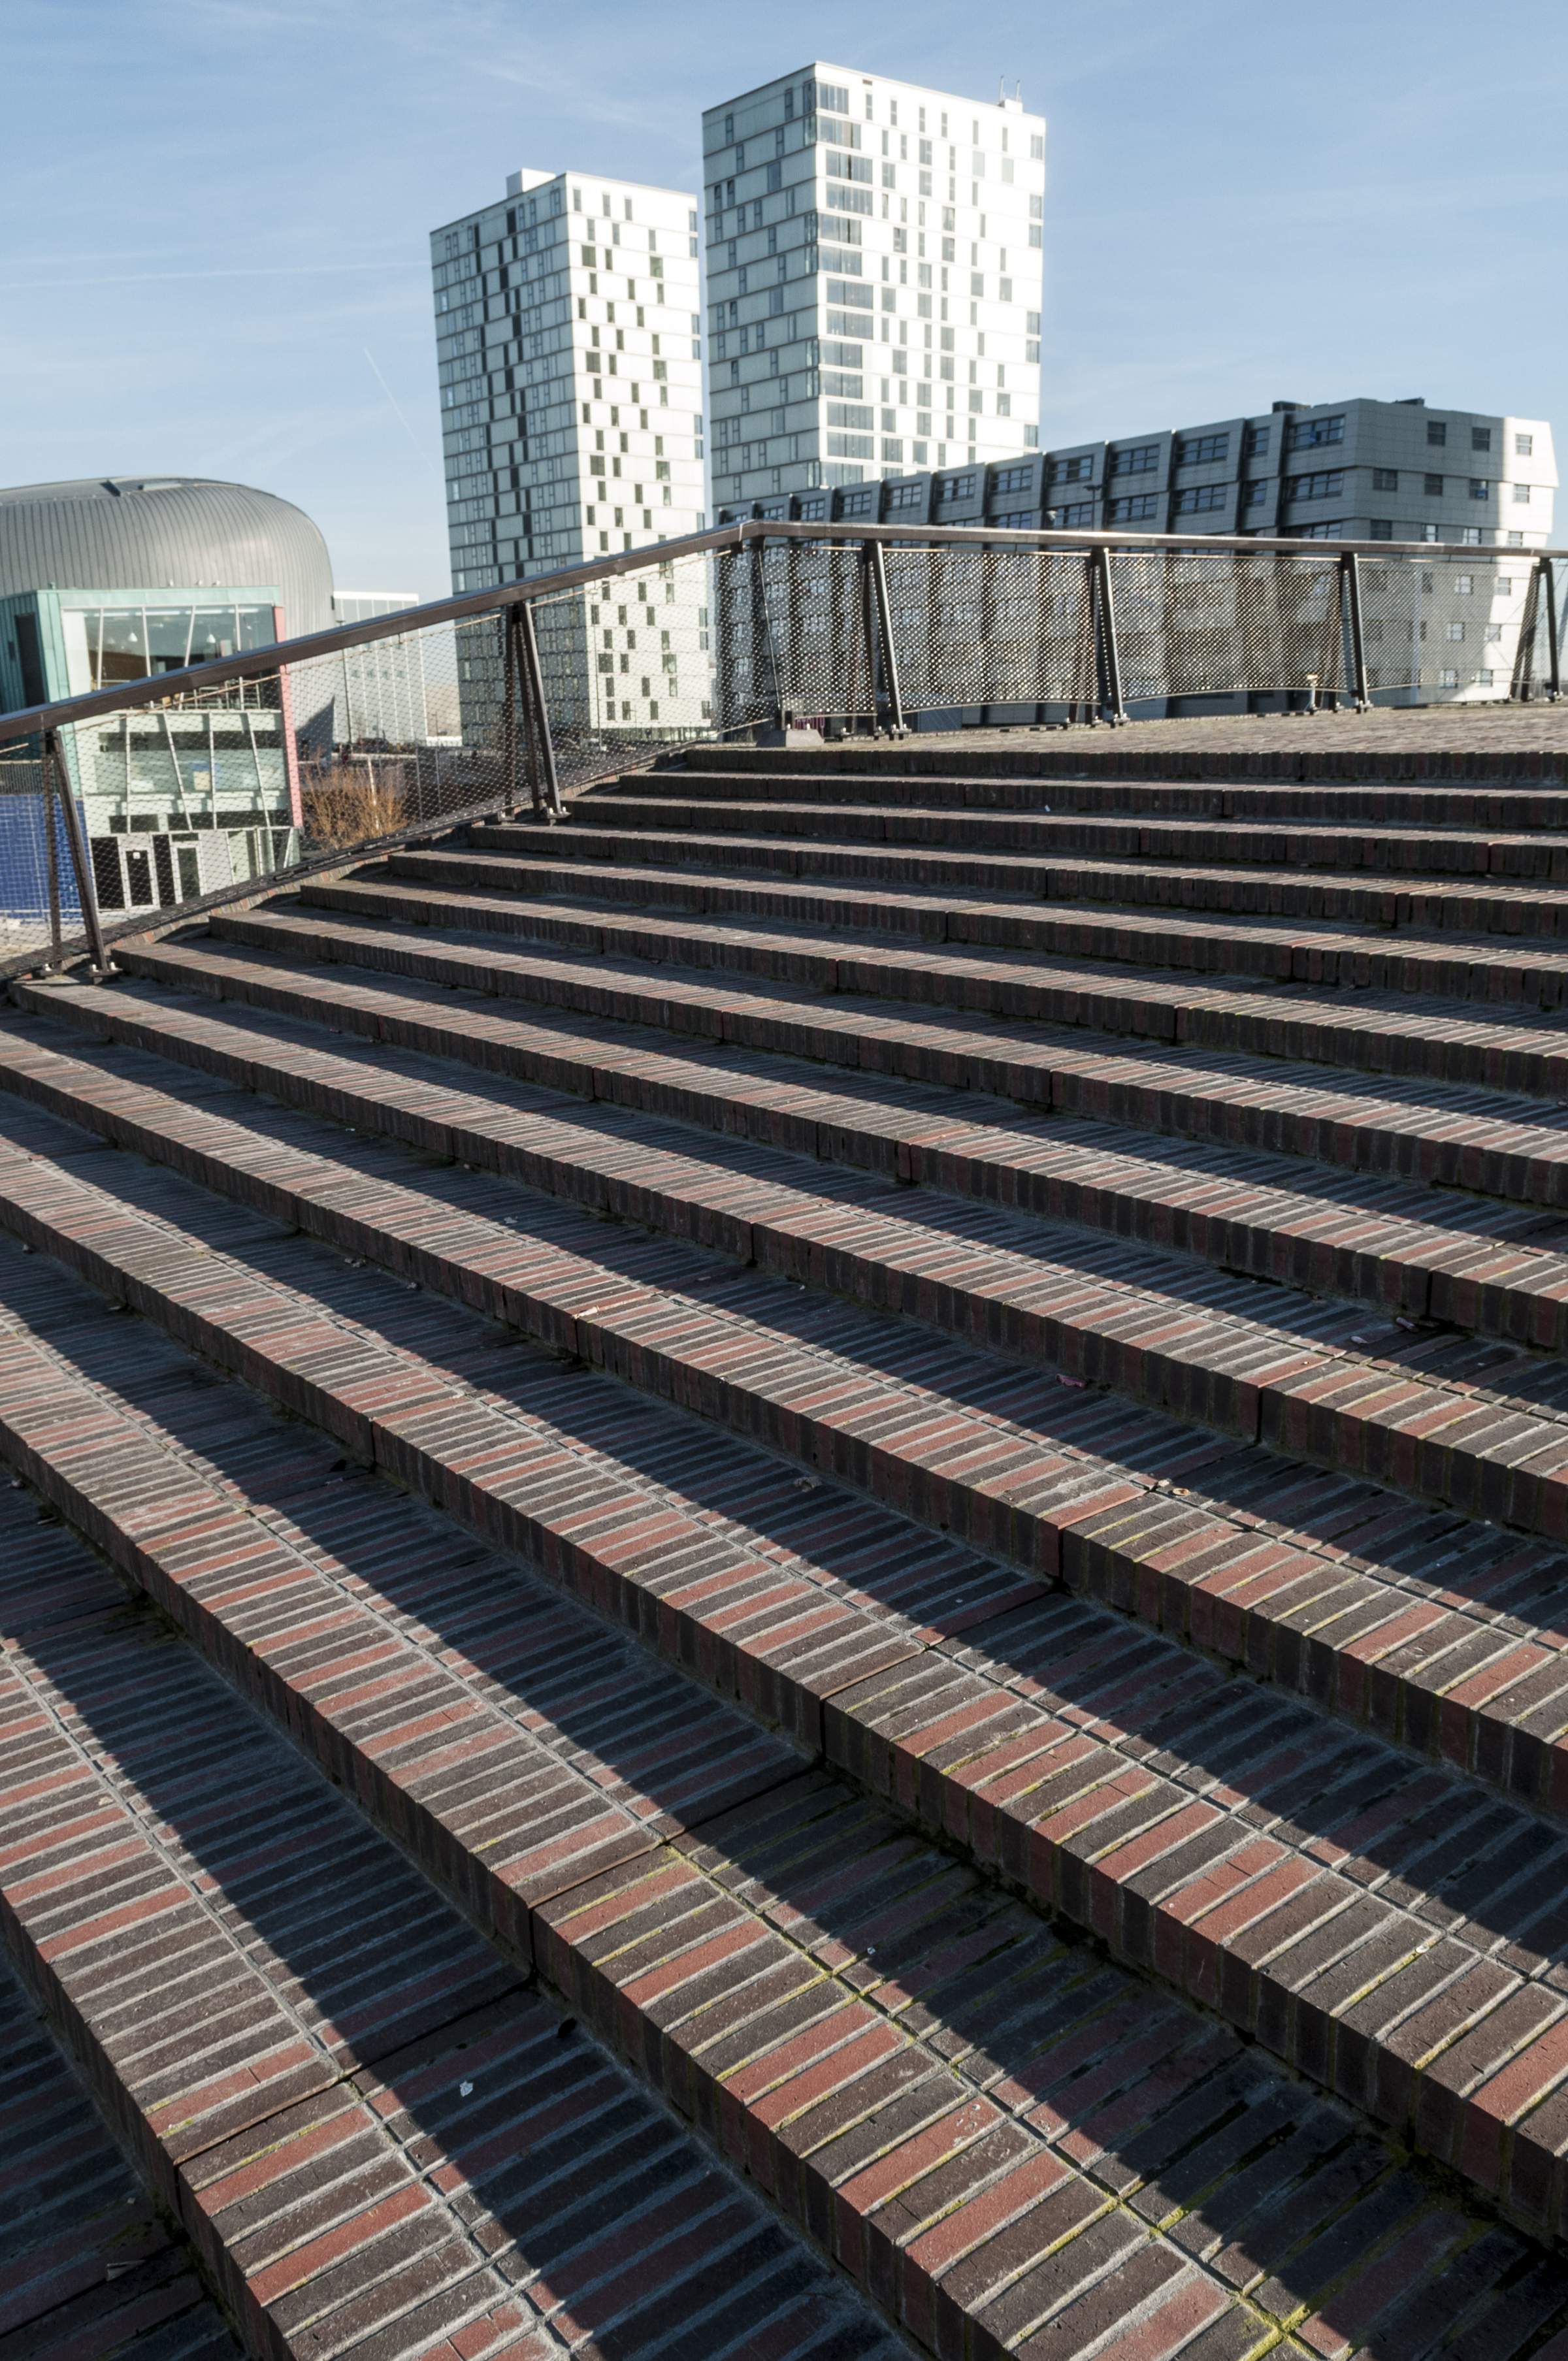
{"points": [[397, 405]]}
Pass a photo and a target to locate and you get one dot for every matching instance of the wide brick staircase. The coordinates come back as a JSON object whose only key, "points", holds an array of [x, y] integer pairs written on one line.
{"points": [[787, 1578]]}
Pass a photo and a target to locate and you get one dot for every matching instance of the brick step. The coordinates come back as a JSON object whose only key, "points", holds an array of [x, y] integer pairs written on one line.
{"points": [[1385, 848], [1383, 1036], [1458, 1260], [373, 2134], [90, 2267], [1154, 751], [1475, 1427], [903, 1085], [1468, 1668], [1411, 1976], [1013, 2146], [1508, 808], [1467, 907], [1368, 958]]}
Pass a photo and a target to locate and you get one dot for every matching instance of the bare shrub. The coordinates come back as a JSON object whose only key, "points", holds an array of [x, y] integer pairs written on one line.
{"points": [[348, 802]]}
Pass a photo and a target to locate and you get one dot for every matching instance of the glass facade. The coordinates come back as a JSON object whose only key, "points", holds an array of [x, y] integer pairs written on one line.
{"points": [[176, 799]]}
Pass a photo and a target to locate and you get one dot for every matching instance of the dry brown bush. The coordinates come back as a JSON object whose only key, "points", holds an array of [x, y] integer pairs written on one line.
{"points": [[351, 801]]}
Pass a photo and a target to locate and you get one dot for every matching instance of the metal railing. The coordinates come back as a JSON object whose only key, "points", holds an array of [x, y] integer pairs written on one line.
{"points": [[136, 803]]}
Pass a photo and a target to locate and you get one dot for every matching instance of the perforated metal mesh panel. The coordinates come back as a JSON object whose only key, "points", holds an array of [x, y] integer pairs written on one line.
{"points": [[1196, 624], [39, 909], [1448, 624], [807, 597], [628, 666], [995, 626]]}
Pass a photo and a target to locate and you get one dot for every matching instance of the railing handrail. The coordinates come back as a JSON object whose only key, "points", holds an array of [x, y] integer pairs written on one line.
{"points": [[257, 662]]}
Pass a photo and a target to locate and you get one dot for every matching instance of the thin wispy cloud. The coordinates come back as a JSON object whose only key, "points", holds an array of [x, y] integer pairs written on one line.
{"points": [[255, 289]]}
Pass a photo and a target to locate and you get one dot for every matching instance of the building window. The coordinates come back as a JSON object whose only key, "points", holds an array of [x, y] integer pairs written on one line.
{"points": [[1134, 508], [1437, 432], [1433, 486], [1464, 586], [1471, 536], [1013, 480], [1195, 497], [1515, 541], [1448, 678], [957, 488], [1524, 445], [1254, 493], [1479, 488], [905, 496], [1017, 521], [1255, 443], [857, 503], [1382, 528], [1429, 533], [1201, 450], [1326, 484], [1136, 459], [1307, 433], [1070, 471], [1480, 438], [1081, 512], [1521, 493], [1384, 479], [1456, 632]]}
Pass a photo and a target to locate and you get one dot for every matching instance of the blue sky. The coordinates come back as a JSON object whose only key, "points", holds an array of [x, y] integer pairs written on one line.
{"points": [[219, 209]]}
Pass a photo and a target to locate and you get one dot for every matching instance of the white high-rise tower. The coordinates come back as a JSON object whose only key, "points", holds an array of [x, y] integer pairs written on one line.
{"points": [[874, 261], [568, 333]]}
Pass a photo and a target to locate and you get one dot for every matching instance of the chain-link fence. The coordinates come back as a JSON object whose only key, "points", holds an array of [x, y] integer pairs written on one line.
{"points": [[138, 801]]}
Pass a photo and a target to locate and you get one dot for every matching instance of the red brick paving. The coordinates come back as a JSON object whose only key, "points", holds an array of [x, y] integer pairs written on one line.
{"points": [[829, 1444]]}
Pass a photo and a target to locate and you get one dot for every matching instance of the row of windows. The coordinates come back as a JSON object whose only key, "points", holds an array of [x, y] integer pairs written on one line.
{"points": [[1201, 450]]}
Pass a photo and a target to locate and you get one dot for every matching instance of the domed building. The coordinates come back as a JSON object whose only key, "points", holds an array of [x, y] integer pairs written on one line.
{"points": [[114, 579]]}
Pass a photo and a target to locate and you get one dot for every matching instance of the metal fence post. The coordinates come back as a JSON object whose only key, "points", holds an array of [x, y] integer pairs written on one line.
{"points": [[889, 652], [1349, 608], [764, 654], [81, 862], [866, 587], [1109, 654], [1554, 645], [1529, 622], [546, 785], [511, 668]]}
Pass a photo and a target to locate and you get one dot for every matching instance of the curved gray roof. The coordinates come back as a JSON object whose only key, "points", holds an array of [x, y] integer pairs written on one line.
{"points": [[135, 533]]}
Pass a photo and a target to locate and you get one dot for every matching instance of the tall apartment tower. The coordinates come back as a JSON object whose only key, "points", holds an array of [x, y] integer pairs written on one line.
{"points": [[875, 261], [568, 333]]}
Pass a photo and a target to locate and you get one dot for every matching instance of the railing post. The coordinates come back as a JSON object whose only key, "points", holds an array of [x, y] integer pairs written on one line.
{"points": [[1349, 608], [867, 602], [889, 653], [546, 785], [1529, 623], [511, 669], [81, 862], [1553, 647], [1110, 653], [764, 654]]}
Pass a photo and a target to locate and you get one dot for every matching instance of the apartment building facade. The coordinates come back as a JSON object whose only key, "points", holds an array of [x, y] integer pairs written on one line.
{"points": [[1356, 470], [874, 255], [568, 333]]}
